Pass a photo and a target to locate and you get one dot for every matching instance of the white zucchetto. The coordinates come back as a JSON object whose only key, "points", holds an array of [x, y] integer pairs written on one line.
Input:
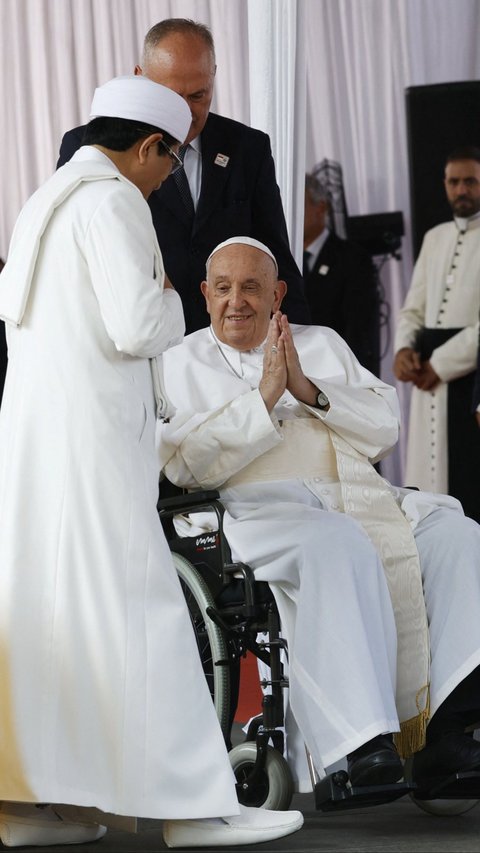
{"points": [[246, 241], [140, 99]]}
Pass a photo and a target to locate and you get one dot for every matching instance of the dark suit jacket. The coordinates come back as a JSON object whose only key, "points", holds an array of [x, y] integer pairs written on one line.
{"points": [[342, 293], [241, 198], [476, 384]]}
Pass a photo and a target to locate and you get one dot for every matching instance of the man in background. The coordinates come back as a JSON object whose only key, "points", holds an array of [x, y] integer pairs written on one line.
{"points": [[437, 340], [340, 279], [228, 183]]}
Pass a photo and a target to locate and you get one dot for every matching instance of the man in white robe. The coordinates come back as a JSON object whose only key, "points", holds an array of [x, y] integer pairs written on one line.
{"points": [[286, 422], [94, 626], [436, 344]]}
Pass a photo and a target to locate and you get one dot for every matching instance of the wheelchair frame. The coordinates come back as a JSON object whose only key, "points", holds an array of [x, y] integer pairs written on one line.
{"points": [[228, 609]]}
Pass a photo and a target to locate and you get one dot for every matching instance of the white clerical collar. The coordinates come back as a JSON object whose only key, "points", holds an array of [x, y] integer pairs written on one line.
{"points": [[227, 348], [463, 222], [240, 363]]}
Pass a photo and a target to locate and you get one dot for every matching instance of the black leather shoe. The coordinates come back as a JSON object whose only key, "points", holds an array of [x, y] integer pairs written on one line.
{"points": [[454, 752], [375, 763]]}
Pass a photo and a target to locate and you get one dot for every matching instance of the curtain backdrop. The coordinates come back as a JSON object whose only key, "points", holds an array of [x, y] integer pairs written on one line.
{"points": [[276, 31], [359, 55]]}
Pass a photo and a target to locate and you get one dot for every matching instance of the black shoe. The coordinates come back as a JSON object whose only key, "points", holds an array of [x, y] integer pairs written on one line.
{"points": [[375, 763], [454, 752]]}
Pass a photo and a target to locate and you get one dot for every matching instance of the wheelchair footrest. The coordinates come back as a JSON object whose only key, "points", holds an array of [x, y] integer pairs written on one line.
{"points": [[458, 786], [334, 792]]}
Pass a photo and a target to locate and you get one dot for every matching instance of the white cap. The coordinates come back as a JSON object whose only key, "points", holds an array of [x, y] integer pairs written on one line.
{"points": [[246, 241], [140, 99]]}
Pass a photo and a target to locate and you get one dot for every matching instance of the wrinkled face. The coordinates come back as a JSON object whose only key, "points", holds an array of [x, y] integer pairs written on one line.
{"points": [[184, 63], [462, 185], [242, 292]]}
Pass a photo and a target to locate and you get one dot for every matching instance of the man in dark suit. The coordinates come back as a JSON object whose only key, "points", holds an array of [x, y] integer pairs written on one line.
{"points": [[231, 187], [340, 280]]}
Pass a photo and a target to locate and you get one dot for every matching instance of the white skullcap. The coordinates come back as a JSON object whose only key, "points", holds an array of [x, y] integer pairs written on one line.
{"points": [[140, 99], [245, 241]]}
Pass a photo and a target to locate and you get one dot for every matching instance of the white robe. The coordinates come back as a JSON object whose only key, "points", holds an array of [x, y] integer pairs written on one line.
{"points": [[102, 689], [436, 303], [326, 576]]}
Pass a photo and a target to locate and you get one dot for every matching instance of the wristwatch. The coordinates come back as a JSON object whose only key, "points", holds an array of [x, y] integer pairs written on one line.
{"points": [[322, 401]]}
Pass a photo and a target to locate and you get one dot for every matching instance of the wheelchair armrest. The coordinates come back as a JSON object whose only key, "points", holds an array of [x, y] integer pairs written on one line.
{"points": [[187, 501]]}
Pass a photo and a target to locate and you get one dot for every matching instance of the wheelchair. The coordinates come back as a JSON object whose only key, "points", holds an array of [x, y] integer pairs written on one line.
{"points": [[233, 613]]}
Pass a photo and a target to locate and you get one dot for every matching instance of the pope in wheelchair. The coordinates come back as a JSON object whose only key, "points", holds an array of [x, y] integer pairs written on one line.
{"points": [[378, 587]]}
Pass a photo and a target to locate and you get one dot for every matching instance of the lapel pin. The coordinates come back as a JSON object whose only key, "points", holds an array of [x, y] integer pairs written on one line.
{"points": [[323, 269], [221, 160]]}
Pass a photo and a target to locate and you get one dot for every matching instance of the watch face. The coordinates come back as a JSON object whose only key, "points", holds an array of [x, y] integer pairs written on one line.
{"points": [[322, 400]]}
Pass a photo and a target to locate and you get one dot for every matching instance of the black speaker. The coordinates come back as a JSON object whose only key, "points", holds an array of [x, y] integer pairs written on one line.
{"points": [[377, 233], [439, 118]]}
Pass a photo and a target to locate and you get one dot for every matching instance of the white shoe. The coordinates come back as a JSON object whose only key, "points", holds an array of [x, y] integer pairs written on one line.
{"points": [[40, 826], [251, 826]]}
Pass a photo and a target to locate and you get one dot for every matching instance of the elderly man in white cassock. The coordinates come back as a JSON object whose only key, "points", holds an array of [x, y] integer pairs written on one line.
{"points": [[95, 631], [378, 588]]}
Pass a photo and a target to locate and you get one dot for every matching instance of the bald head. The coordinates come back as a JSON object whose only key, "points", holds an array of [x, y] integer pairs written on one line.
{"points": [[179, 54]]}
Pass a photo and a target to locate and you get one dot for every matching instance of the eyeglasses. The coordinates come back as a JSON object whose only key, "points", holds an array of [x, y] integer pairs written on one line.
{"points": [[177, 163]]}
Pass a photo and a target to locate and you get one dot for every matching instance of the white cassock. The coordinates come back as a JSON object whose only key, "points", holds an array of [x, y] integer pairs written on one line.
{"points": [[102, 691], [444, 294], [327, 578]]}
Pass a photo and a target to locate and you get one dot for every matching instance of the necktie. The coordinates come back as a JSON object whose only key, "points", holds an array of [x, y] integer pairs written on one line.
{"points": [[181, 181], [306, 263]]}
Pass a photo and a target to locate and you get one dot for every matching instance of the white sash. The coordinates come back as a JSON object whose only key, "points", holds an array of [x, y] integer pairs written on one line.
{"points": [[309, 449]]}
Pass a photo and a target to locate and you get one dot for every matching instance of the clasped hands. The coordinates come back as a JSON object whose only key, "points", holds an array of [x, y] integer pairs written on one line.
{"points": [[281, 366], [408, 367]]}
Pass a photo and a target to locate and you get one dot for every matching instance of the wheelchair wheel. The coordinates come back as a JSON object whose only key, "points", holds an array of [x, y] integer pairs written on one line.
{"points": [[445, 808], [441, 808], [211, 643], [274, 788]]}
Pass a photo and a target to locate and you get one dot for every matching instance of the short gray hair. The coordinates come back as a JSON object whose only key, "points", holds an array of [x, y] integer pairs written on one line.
{"points": [[316, 189], [172, 26]]}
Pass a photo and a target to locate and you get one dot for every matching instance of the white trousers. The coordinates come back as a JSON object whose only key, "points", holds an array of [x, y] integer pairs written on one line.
{"points": [[337, 616]]}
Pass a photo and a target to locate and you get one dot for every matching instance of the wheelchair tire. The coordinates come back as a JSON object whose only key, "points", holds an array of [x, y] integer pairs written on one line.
{"points": [[274, 790], [440, 807], [445, 808], [211, 643]]}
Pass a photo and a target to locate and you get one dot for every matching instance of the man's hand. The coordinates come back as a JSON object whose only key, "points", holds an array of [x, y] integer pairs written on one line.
{"points": [[407, 365], [427, 379], [297, 383], [274, 376]]}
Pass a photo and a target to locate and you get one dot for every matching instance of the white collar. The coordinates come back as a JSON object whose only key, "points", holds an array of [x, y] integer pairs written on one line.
{"points": [[316, 245]]}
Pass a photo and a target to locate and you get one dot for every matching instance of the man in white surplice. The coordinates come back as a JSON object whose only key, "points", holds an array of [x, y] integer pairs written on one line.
{"points": [[94, 626], [436, 343], [286, 422]]}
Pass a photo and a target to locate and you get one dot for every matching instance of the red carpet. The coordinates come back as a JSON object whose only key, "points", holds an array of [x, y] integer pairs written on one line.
{"points": [[250, 699]]}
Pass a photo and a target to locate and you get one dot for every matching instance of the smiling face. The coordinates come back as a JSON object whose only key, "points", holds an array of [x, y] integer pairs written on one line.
{"points": [[184, 62], [242, 291]]}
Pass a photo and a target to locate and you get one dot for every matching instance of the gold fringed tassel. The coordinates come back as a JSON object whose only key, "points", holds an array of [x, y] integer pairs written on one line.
{"points": [[412, 734]]}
